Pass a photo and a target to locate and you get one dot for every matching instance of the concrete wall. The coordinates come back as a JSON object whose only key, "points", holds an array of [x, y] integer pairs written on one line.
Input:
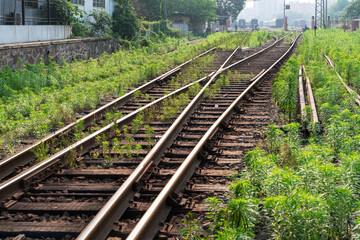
{"points": [[32, 33], [68, 50]]}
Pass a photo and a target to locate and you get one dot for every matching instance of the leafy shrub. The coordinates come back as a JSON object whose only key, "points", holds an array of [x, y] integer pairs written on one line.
{"points": [[67, 13], [259, 38], [125, 23], [298, 215], [286, 88], [100, 23]]}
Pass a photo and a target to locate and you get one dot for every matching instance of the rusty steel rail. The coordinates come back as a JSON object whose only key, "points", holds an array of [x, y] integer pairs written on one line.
{"points": [[311, 99], [146, 228], [8, 165], [39, 170], [101, 225], [234, 52], [351, 91], [254, 55]]}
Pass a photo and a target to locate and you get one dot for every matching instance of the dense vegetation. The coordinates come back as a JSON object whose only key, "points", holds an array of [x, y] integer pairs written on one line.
{"points": [[126, 22], [198, 10], [353, 9], [343, 9], [337, 10], [297, 187], [258, 38], [40, 98]]}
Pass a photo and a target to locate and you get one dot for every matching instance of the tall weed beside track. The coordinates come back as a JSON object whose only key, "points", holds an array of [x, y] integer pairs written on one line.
{"points": [[308, 188], [38, 99], [307, 197], [259, 38], [286, 88]]}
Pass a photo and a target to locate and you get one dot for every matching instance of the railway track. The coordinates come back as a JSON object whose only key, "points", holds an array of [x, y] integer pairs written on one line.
{"points": [[89, 121], [66, 185], [306, 97], [125, 104], [222, 160], [62, 202], [66, 201], [173, 190], [350, 91]]}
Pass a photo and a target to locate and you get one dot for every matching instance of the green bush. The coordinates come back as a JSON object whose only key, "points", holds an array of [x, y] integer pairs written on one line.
{"points": [[67, 13], [125, 23], [309, 188], [286, 88], [100, 23]]}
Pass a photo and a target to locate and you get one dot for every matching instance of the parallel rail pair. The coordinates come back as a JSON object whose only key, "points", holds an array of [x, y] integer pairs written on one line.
{"points": [[148, 224], [37, 171], [306, 96], [8, 165], [24, 157], [164, 143]]}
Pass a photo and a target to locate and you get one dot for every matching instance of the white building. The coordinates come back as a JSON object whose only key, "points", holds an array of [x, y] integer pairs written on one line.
{"points": [[89, 5], [261, 9], [31, 20]]}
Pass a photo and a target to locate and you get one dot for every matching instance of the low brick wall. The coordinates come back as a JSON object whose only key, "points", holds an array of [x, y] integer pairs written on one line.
{"points": [[80, 49]]}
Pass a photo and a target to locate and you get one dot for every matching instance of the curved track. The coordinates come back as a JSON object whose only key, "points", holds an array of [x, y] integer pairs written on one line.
{"points": [[168, 188], [126, 192], [125, 104], [68, 199]]}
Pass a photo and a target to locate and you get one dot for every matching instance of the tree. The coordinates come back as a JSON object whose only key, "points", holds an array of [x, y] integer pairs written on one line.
{"points": [[100, 23], [198, 10], [147, 9], [337, 9], [125, 23], [230, 7], [353, 9], [66, 13]]}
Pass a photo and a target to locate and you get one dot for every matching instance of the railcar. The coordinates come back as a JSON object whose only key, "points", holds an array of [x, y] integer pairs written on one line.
{"points": [[274, 23], [242, 23], [254, 23]]}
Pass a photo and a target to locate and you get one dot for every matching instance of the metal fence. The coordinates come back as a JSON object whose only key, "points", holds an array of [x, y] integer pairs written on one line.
{"points": [[348, 24], [29, 12]]}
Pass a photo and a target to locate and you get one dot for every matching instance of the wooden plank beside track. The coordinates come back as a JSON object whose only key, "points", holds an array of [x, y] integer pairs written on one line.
{"points": [[301, 94], [310, 98], [311, 101]]}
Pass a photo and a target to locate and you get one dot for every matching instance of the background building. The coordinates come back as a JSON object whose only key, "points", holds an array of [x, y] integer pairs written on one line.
{"points": [[31, 20], [265, 10], [89, 5]]}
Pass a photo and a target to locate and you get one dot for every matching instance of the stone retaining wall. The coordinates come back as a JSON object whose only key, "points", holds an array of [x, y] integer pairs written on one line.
{"points": [[80, 49]]}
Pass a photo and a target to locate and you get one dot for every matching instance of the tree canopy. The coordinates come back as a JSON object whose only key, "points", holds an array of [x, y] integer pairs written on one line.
{"points": [[230, 7], [125, 22], [353, 9], [198, 10], [147, 9], [338, 9]]}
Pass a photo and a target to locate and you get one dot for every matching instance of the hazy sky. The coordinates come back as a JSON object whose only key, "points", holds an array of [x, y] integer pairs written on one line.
{"points": [[249, 3]]}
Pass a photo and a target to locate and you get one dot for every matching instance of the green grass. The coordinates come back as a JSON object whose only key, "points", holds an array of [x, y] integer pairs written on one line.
{"points": [[304, 187], [38, 99]]}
